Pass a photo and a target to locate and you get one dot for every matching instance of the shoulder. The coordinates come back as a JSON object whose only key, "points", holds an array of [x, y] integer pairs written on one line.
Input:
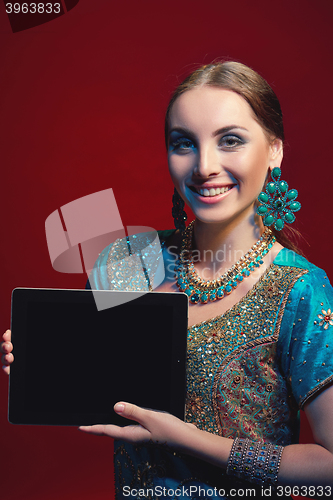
{"points": [[133, 243], [301, 282], [307, 296], [309, 289], [288, 260], [125, 259]]}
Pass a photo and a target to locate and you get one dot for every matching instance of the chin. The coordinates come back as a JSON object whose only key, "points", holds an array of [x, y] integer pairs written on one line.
{"points": [[246, 216], [209, 218]]}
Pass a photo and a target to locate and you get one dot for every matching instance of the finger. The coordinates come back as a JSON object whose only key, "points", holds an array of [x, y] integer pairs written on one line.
{"points": [[7, 359], [6, 347], [132, 412], [101, 430], [6, 369], [130, 433], [7, 336]]}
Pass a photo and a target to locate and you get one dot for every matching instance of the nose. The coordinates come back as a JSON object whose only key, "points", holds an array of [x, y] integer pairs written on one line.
{"points": [[207, 162]]}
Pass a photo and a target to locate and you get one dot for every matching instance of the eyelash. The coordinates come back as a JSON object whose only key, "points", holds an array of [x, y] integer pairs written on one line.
{"points": [[236, 140], [181, 141], [189, 144]]}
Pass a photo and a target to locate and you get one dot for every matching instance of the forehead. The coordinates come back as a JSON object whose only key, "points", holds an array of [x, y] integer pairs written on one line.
{"points": [[211, 107]]}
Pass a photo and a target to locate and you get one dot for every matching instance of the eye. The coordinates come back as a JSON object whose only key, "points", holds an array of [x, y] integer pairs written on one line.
{"points": [[182, 145], [231, 141]]}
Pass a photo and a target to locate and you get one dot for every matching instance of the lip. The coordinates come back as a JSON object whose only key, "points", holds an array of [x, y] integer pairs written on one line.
{"points": [[209, 200], [211, 185]]}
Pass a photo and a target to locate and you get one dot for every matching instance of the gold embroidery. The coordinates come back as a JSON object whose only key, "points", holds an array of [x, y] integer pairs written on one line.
{"points": [[250, 397], [212, 344]]}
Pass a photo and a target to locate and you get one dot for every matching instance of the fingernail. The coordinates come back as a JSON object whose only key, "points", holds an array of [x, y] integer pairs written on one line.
{"points": [[119, 407]]}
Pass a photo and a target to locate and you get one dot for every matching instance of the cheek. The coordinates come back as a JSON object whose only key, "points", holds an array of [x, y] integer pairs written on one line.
{"points": [[253, 167], [179, 168]]}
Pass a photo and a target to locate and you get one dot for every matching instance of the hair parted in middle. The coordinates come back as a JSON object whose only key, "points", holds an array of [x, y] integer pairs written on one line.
{"points": [[246, 82]]}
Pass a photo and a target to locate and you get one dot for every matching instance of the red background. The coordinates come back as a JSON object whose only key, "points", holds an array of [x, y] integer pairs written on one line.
{"points": [[82, 105]]}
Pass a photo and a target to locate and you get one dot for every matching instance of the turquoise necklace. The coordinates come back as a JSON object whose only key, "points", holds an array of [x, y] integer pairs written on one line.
{"points": [[201, 291]]}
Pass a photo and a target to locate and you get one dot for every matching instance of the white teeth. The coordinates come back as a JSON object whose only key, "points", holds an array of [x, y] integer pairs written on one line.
{"points": [[213, 191]]}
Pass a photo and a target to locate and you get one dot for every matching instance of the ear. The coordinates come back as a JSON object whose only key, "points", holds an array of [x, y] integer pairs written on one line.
{"points": [[276, 153]]}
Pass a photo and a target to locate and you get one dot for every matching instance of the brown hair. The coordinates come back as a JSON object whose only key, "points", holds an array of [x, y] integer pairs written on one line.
{"points": [[231, 75]]}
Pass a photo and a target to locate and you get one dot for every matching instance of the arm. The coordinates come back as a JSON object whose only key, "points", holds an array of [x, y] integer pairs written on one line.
{"points": [[301, 464], [312, 464]]}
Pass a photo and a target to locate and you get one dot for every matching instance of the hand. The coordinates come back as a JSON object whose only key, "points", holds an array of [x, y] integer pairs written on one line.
{"points": [[153, 426], [163, 428], [6, 348]]}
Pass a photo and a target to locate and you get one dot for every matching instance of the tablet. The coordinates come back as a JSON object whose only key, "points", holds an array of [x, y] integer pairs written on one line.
{"points": [[73, 362]]}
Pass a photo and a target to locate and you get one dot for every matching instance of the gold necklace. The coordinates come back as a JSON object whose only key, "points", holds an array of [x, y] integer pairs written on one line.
{"points": [[201, 291]]}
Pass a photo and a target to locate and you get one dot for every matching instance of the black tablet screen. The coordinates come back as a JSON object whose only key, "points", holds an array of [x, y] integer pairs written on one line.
{"points": [[73, 363]]}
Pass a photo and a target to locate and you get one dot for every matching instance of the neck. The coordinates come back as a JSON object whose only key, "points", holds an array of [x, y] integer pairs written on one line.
{"points": [[218, 246]]}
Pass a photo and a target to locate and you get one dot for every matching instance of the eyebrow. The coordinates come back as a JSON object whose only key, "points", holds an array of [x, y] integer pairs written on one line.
{"points": [[222, 130], [181, 130]]}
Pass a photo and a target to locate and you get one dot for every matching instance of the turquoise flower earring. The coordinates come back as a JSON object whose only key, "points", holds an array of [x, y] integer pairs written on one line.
{"points": [[278, 204]]}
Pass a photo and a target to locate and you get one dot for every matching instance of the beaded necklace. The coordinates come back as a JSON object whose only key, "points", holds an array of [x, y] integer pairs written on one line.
{"points": [[201, 291]]}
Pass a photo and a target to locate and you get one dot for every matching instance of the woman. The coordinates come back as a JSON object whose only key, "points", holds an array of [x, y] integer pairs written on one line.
{"points": [[260, 335]]}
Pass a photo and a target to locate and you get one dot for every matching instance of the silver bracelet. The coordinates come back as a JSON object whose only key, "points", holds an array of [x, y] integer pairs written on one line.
{"points": [[256, 462]]}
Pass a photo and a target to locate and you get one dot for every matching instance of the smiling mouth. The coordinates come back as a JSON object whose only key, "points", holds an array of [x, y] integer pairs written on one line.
{"points": [[212, 191]]}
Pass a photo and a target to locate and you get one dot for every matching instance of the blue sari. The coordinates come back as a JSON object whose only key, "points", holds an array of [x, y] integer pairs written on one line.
{"points": [[249, 372]]}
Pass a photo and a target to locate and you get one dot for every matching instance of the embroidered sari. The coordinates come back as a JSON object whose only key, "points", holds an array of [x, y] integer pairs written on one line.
{"points": [[249, 371]]}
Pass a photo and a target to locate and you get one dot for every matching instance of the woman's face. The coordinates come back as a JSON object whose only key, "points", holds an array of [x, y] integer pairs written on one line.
{"points": [[218, 154]]}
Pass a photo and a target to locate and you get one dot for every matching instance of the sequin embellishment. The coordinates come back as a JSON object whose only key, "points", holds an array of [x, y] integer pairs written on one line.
{"points": [[326, 318], [133, 262], [220, 353]]}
